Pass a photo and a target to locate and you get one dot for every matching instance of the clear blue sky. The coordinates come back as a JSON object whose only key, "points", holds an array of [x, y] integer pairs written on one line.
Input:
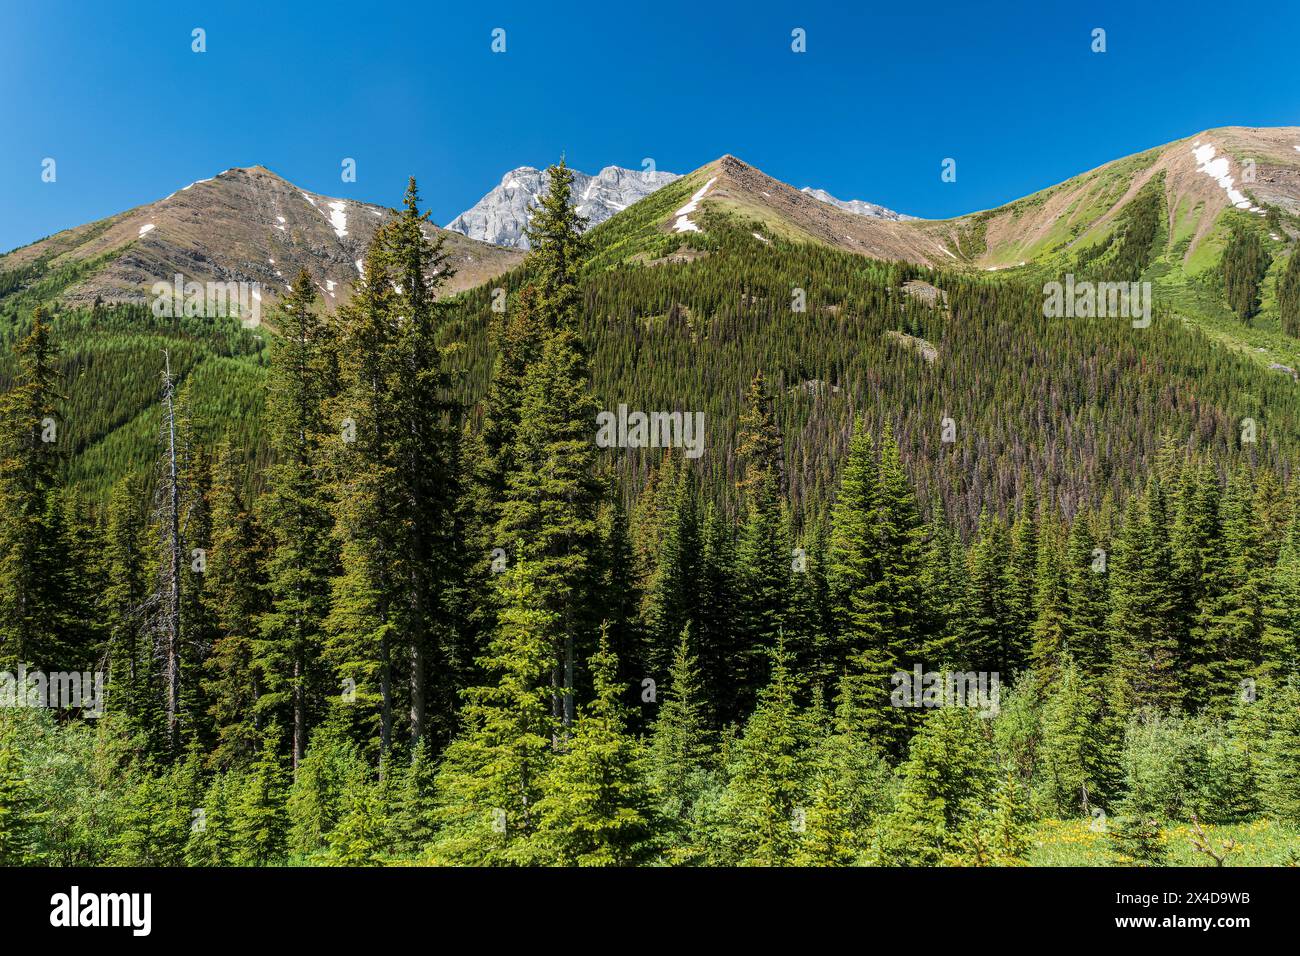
{"points": [[884, 93]]}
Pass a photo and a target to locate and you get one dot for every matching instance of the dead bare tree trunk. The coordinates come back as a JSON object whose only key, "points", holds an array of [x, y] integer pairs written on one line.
{"points": [[299, 713], [417, 691], [172, 544]]}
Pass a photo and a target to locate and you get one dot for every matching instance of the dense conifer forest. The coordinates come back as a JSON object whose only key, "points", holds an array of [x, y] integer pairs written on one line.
{"points": [[364, 589]]}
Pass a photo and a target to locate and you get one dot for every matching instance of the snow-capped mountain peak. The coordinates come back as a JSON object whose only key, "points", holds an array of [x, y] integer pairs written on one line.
{"points": [[501, 216]]}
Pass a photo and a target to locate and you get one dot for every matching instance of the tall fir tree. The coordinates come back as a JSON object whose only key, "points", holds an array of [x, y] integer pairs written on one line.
{"points": [[367, 618], [1143, 612], [549, 508], [236, 589], [31, 561], [763, 551], [296, 512], [597, 808], [489, 782], [763, 812]]}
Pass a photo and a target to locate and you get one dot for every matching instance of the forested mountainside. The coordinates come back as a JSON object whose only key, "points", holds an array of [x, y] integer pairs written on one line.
{"points": [[1080, 405], [950, 581]]}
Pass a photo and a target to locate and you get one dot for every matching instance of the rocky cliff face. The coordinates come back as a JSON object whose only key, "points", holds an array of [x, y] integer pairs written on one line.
{"points": [[501, 216], [857, 206]]}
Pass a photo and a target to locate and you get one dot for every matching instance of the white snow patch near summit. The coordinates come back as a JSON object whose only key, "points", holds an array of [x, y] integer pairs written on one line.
{"points": [[338, 219], [147, 227], [684, 223], [1220, 170]]}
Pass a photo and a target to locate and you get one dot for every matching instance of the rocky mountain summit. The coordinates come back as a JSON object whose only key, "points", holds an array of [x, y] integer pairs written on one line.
{"points": [[242, 225], [857, 206], [501, 216]]}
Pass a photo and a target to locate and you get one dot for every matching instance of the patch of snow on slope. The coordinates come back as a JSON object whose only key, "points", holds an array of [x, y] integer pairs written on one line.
{"points": [[360, 271], [684, 223], [148, 227], [1219, 169], [309, 199], [338, 219]]}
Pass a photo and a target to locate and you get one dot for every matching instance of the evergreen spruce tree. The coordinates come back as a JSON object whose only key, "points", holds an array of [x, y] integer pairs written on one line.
{"points": [[212, 837], [854, 563], [85, 579], [717, 635], [361, 834], [200, 625], [131, 688], [1051, 603], [259, 819], [414, 811], [1282, 763], [943, 589], [670, 601], [680, 755], [31, 563], [762, 551], [236, 590], [1086, 581], [366, 621], [489, 782], [764, 816], [295, 511], [548, 511], [597, 808], [1280, 639], [1071, 773], [1225, 641], [1022, 579], [986, 639], [998, 834], [865, 648], [1143, 613], [1136, 834], [428, 415], [315, 801], [19, 813], [620, 594], [898, 536], [948, 774], [848, 791]]}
